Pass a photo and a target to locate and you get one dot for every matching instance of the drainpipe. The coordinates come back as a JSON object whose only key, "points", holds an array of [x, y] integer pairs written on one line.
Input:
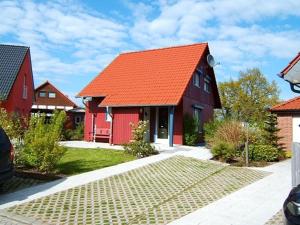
{"points": [[111, 126]]}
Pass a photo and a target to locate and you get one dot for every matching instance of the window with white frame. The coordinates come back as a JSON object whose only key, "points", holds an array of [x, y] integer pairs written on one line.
{"points": [[196, 80], [108, 114], [207, 84], [25, 89], [197, 116], [52, 95], [42, 94]]}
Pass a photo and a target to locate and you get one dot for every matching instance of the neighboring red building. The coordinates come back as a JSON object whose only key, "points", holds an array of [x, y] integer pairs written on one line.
{"points": [[288, 118], [159, 85], [288, 112], [49, 98], [16, 80]]}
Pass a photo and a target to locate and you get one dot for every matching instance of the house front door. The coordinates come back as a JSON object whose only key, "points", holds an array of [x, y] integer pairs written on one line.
{"points": [[162, 125]]}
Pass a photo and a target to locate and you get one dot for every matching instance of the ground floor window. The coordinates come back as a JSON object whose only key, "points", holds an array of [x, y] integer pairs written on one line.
{"points": [[77, 120], [197, 116]]}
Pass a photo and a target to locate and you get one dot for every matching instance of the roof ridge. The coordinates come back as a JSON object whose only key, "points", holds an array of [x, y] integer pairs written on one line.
{"points": [[163, 48], [15, 45], [286, 102]]}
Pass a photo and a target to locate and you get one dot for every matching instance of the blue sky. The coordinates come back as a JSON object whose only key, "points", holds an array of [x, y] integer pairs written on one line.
{"points": [[71, 41]]}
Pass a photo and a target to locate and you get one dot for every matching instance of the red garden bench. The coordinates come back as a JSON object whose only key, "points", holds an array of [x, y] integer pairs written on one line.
{"points": [[102, 133]]}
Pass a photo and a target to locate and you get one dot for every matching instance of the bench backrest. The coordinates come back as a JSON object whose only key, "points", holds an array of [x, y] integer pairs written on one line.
{"points": [[102, 131]]}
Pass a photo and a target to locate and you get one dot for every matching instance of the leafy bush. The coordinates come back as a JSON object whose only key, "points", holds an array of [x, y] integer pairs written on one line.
{"points": [[12, 124], [76, 134], [224, 151], [41, 149], [210, 129], [228, 131], [139, 147], [263, 152], [190, 126]]}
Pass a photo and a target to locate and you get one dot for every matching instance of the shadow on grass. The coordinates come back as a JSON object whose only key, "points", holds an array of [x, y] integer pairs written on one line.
{"points": [[81, 166]]}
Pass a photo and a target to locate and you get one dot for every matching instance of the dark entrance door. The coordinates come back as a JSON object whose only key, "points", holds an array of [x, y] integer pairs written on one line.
{"points": [[163, 123]]}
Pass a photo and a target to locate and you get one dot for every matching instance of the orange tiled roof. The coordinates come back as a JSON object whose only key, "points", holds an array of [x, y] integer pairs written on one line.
{"points": [[290, 65], [151, 77], [290, 105]]}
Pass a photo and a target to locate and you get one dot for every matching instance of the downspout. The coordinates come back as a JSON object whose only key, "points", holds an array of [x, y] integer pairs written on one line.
{"points": [[111, 126]]}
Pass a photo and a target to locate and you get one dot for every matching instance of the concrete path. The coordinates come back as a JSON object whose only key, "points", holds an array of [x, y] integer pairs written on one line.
{"points": [[254, 205], [38, 191]]}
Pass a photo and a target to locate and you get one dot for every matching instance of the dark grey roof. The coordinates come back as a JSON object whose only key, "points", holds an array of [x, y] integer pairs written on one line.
{"points": [[11, 59]]}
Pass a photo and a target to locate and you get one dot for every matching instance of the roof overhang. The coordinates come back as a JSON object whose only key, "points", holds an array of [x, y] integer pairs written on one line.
{"points": [[137, 105]]}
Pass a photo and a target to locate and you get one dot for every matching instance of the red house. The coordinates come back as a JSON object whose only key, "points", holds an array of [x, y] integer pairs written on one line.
{"points": [[16, 80], [48, 98], [159, 85]]}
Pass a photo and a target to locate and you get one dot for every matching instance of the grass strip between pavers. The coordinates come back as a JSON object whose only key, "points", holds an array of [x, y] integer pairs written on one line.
{"points": [[154, 194]]}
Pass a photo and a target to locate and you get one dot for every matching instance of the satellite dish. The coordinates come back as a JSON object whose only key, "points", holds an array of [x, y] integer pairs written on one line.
{"points": [[210, 60]]}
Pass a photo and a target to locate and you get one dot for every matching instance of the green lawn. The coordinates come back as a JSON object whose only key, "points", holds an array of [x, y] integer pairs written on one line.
{"points": [[79, 160]]}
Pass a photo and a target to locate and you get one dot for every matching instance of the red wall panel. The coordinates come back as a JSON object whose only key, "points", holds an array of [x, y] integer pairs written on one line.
{"points": [[16, 102], [121, 123]]}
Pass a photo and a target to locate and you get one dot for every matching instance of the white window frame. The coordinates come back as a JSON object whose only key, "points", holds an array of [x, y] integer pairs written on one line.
{"points": [[108, 114], [53, 95], [44, 93], [196, 80], [207, 84]]}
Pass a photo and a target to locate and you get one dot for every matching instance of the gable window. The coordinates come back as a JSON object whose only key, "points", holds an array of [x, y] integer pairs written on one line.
{"points": [[52, 95], [108, 114], [42, 94], [207, 84], [25, 89], [196, 77]]}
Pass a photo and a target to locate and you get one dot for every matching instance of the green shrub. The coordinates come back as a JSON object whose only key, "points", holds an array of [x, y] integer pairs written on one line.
{"points": [[13, 125], [139, 147], [224, 151], [263, 152], [76, 134], [41, 148], [210, 129], [228, 131], [190, 126]]}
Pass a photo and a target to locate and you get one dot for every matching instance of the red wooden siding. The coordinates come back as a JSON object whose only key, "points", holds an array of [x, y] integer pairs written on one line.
{"points": [[121, 123], [15, 102]]}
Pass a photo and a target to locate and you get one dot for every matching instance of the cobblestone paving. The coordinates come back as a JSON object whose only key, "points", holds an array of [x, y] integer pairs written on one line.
{"points": [[277, 219], [154, 194], [17, 183]]}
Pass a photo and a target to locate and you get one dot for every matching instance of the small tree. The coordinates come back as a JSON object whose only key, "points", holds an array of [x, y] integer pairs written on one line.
{"points": [[270, 131], [41, 148], [139, 146]]}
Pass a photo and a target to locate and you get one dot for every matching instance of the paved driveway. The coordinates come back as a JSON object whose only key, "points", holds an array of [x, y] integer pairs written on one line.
{"points": [[154, 194]]}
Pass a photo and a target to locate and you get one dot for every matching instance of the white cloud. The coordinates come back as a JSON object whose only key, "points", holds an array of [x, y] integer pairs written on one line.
{"points": [[64, 40], [234, 29]]}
